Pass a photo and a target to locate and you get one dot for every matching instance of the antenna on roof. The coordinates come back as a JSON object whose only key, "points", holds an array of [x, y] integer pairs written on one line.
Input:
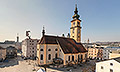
{"points": [[27, 34], [17, 37]]}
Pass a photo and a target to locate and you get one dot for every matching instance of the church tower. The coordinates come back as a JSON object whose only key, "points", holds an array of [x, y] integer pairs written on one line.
{"points": [[75, 30]]}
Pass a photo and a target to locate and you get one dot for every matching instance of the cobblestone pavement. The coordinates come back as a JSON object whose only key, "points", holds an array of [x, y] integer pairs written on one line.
{"points": [[10, 62], [30, 66], [86, 67]]}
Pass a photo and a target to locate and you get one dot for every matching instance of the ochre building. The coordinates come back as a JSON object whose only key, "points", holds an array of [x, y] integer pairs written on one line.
{"points": [[70, 50]]}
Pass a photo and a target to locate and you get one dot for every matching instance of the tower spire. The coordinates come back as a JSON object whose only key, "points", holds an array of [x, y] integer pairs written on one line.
{"points": [[76, 11], [43, 31], [76, 16], [17, 37]]}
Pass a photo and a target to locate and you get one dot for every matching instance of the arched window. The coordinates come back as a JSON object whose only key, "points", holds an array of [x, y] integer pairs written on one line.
{"points": [[56, 55], [56, 49], [73, 23], [81, 56], [72, 58], [41, 57], [73, 30], [85, 55], [49, 57], [78, 23], [68, 58], [78, 57], [49, 49], [41, 49], [32, 55], [78, 31]]}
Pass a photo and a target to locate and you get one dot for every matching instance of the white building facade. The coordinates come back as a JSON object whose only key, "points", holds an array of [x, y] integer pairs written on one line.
{"points": [[29, 47], [112, 65]]}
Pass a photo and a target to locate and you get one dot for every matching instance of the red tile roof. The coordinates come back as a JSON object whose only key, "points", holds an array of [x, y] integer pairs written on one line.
{"points": [[68, 45]]}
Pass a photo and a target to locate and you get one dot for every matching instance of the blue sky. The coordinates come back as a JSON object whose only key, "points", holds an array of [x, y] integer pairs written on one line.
{"points": [[100, 18]]}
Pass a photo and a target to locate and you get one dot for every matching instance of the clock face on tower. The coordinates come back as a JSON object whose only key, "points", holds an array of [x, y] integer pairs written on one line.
{"points": [[73, 23]]}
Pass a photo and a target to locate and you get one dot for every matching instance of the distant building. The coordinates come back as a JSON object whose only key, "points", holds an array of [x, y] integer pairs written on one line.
{"points": [[106, 54], [109, 53], [2, 53], [95, 51], [29, 47], [112, 65], [11, 52], [7, 44]]}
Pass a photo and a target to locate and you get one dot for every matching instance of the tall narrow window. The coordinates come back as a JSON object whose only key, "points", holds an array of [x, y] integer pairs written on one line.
{"points": [[56, 55], [73, 30], [78, 31], [72, 58], [85, 55], [49, 57], [111, 70], [81, 56], [41, 57], [78, 23], [101, 67], [78, 57], [68, 58]]}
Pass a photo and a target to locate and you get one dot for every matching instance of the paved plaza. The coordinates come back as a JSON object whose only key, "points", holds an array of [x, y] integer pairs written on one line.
{"points": [[20, 65]]}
